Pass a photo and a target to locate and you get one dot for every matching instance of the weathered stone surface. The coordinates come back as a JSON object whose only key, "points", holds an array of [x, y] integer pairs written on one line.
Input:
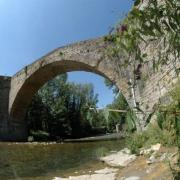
{"points": [[121, 158], [4, 100], [106, 171], [103, 174], [153, 148], [132, 178]]}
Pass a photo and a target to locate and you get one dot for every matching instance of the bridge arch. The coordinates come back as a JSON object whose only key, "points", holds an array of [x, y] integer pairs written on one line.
{"points": [[143, 96], [84, 56]]}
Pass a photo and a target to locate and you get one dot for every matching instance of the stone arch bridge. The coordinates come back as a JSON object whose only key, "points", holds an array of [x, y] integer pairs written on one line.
{"points": [[17, 91]]}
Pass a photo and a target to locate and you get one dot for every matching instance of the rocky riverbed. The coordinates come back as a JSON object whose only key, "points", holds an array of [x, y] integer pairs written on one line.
{"points": [[152, 163]]}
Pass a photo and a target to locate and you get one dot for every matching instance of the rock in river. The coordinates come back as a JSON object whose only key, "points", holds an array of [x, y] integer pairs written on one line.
{"points": [[121, 158], [103, 174]]}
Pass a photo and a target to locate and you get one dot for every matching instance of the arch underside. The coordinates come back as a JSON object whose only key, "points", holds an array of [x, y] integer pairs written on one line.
{"points": [[36, 80]]}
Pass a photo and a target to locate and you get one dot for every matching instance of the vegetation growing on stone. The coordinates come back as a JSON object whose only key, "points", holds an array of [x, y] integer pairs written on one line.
{"points": [[155, 23], [166, 130]]}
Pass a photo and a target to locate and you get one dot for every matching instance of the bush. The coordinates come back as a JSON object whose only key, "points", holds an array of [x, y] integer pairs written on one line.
{"points": [[135, 142], [158, 135], [154, 134]]}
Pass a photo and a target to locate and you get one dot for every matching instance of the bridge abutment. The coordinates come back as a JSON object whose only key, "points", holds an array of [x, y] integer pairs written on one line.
{"points": [[5, 83], [9, 130], [17, 131]]}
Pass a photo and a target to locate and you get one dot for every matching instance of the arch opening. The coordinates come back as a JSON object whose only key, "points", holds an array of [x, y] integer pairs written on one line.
{"points": [[36, 80], [67, 108]]}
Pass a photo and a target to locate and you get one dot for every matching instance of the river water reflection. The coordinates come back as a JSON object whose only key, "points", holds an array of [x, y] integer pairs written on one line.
{"points": [[38, 161]]}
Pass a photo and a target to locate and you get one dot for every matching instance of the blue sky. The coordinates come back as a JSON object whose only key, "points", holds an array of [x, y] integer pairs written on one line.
{"points": [[30, 29]]}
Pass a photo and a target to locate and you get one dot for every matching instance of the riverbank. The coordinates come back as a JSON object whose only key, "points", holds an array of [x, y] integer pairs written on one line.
{"points": [[112, 136], [153, 163], [85, 160], [106, 137]]}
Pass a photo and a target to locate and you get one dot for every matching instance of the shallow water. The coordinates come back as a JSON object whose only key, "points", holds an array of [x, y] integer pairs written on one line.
{"points": [[24, 161]]}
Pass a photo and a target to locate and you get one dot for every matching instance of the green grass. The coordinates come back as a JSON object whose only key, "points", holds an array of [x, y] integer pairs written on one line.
{"points": [[154, 134]]}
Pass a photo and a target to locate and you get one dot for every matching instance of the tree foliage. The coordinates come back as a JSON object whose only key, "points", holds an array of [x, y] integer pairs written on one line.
{"points": [[125, 120], [158, 22], [61, 109]]}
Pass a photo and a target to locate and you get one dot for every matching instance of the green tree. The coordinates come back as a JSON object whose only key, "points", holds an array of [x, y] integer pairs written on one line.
{"points": [[126, 120], [61, 108]]}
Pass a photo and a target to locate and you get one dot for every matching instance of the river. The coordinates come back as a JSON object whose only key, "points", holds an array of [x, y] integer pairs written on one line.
{"points": [[44, 161]]}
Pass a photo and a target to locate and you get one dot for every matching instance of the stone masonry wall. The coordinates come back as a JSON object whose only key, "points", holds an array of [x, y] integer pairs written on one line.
{"points": [[153, 87], [4, 100]]}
